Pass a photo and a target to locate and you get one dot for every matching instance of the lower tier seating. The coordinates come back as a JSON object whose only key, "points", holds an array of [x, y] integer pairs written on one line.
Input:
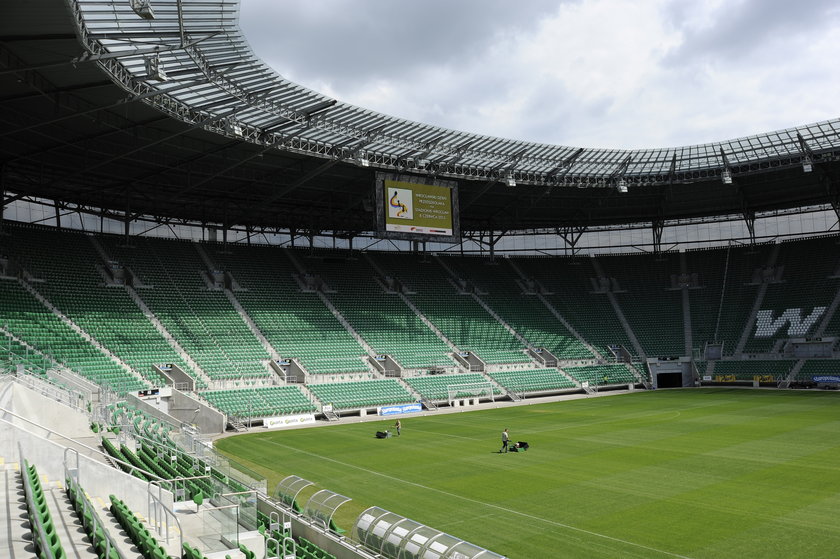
{"points": [[436, 387], [368, 393], [532, 380], [601, 375], [260, 402]]}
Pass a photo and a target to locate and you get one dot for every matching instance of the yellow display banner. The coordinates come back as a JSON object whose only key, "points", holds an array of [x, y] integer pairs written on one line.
{"points": [[418, 208]]}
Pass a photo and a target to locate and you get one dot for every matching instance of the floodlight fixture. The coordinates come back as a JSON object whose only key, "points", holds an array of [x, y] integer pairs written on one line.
{"points": [[807, 164], [362, 159], [510, 179], [234, 128], [154, 69], [726, 176], [143, 8], [621, 186]]}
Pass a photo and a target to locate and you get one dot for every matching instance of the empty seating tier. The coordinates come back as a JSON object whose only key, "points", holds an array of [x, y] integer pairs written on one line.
{"points": [[763, 371], [260, 402], [202, 320], [297, 324], [363, 394], [437, 387], [601, 375], [532, 380]]}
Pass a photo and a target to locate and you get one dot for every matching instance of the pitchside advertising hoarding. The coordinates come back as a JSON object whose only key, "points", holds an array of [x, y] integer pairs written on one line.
{"points": [[399, 409], [410, 209], [289, 420]]}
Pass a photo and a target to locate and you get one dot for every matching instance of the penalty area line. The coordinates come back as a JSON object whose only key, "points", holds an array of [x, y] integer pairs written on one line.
{"points": [[482, 503]]}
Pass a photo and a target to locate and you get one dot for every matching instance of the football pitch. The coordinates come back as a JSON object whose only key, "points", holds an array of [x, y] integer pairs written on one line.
{"points": [[697, 473]]}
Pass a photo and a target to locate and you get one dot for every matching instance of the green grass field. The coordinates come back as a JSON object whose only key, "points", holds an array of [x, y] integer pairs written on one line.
{"points": [[700, 473]]}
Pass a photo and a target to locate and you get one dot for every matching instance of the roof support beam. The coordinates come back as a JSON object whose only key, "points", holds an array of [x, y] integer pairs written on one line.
{"points": [[726, 171], [120, 103], [88, 57], [564, 165], [313, 110], [749, 220], [571, 234], [657, 227]]}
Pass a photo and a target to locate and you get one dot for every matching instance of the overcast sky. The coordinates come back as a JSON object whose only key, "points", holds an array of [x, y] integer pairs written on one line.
{"points": [[589, 73]]}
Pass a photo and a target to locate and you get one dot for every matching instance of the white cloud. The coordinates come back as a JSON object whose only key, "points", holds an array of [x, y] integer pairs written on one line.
{"points": [[597, 73]]}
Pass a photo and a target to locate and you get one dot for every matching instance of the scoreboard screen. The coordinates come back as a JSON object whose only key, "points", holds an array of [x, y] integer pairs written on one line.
{"points": [[412, 208]]}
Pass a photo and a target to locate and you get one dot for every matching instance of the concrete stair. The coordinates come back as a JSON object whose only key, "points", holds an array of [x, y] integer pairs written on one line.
{"points": [[16, 541]]}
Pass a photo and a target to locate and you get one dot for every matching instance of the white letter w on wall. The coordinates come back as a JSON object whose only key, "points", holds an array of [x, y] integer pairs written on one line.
{"points": [[766, 326]]}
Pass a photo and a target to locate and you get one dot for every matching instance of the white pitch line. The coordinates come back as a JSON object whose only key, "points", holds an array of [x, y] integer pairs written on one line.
{"points": [[482, 503]]}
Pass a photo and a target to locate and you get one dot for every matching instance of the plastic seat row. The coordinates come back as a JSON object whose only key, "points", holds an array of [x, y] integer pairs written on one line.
{"points": [[139, 534], [43, 529]]}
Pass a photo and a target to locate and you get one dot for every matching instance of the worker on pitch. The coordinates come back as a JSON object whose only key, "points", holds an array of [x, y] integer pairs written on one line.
{"points": [[398, 427], [505, 440]]}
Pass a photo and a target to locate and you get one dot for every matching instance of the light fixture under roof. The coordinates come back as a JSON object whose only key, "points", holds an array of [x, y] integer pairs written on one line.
{"points": [[234, 128], [621, 186], [726, 176], [143, 8], [807, 164], [510, 179], [154, 69]]}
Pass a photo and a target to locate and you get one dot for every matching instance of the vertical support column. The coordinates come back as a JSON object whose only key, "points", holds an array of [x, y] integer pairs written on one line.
{"points": [[492, 243], [57, 214], [571, 235], [749, 219], [127, 223], [657, 227], [3, 194], [832, 186]]}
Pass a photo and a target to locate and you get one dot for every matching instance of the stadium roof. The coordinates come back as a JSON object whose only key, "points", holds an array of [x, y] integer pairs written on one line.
{"points": [[176, 117]]}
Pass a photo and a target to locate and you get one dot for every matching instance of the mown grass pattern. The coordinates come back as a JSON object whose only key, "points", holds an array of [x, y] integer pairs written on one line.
{"points": [[699, 473]]}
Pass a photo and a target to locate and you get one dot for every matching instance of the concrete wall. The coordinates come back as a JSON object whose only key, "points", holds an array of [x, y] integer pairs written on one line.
{"points": [[209, 420], [47, 412], [46, 447]]}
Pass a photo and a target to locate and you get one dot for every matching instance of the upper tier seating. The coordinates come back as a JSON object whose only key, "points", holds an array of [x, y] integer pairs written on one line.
{"points": [[804, 269], [25, 317], [383, 319], [298, 325], [571, 294], [501, 288], [653, 311], [458, 316], [495, 310], [203, 321], [738, 292], [75, 284]]}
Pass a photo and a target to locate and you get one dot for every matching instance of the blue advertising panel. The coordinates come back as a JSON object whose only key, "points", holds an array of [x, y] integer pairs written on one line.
{"points": [[400, 408]]}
